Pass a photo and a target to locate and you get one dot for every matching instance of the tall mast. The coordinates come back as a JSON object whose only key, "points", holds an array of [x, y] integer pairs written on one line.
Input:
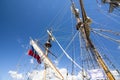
{"points": [[47, 46], [84, 27], [44, 57]]}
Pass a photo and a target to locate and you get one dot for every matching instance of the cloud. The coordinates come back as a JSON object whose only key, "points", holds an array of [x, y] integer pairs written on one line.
{"points": [[118, 47], [116, 74], [15, 75], [56, 62], [35, 75], [50, 75], [94, 74], [32, 61]]}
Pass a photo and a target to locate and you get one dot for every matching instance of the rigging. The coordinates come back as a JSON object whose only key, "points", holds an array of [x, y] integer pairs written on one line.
{"points": [[85, 31]]}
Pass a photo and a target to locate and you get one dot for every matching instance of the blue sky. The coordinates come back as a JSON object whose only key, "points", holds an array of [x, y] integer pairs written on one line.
{"points": [[18, 21], [22, 19]]}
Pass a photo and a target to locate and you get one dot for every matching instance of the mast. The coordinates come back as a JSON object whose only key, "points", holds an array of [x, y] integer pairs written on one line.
{"points": [[47, 46], [44, 57], [84, 27]]}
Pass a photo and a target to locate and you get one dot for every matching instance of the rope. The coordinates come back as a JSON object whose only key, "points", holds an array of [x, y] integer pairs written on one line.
{"points": [[98, 46], [104, 48], [98, 3], [110, 31], [90, 58], [81, 46], [107, 37], [83, 56], [57, 14], [70, 58], [56, 21], [68, 45], [117, 9], [73, 47], [108, 16], [67, 55], [112, 64]]}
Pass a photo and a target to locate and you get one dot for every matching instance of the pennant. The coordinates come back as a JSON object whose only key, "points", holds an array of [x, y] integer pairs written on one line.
{"points": [[34, 54]]}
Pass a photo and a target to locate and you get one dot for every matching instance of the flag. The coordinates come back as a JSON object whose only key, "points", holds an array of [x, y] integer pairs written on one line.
{"points": [[34, 54]]}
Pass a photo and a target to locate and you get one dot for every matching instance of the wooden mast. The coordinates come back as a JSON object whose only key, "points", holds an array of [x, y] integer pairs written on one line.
{"points": [[44, 57], [84, 27], [47, 46]]}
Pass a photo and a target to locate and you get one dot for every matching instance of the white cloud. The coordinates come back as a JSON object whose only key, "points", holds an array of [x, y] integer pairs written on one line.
{"points": [[39, 74], [114, 72], [15, 75], [35, 75], [56, 62], [118, 47], [96, 74], [32, 61]]}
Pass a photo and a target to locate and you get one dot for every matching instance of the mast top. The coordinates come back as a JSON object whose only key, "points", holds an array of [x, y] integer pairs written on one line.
{"points": [[50, 35], [50, 38]]}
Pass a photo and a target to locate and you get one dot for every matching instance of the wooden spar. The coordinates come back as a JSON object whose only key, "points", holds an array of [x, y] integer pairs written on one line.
{"points": [[45, 59], [47, 46], [84, 27], [90, 45], [112, 4], [45, 65]]}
